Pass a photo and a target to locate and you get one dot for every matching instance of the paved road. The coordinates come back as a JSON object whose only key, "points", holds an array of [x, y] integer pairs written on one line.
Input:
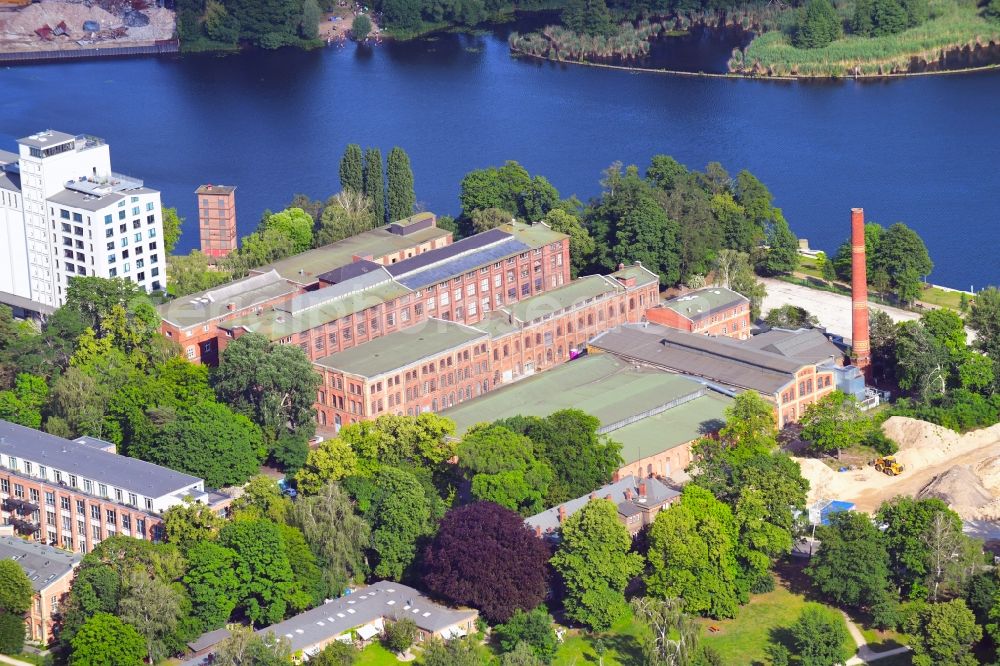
{"points": [[833, 310]]}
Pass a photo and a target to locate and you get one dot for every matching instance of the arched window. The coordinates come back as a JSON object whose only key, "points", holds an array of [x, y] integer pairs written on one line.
{"points": [[590, 320], [434, 405], [631, 303], [548, 355], [322, 417], [336, 422]]}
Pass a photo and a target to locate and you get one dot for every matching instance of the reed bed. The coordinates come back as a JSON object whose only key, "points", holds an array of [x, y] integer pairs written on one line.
{"points": [[954, 27]]}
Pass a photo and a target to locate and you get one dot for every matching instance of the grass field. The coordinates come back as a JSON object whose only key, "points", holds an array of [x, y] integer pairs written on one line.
{"points": [[376, 655], [954, 26], [623, 646], [764, 620]]}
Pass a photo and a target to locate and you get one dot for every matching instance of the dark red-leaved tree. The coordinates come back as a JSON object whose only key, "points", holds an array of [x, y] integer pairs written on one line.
{"points": [[483, 556]]}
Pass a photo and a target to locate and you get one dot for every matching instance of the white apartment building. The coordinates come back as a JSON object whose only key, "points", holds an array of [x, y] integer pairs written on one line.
{"points": [[64, 213]]}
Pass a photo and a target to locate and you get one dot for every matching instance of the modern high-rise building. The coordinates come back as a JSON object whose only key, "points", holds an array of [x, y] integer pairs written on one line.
{"points": [[217, 219], [65, 213]]}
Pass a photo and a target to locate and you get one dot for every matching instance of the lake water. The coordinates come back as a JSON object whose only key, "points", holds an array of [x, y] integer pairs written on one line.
{"points": [[923, 150]]}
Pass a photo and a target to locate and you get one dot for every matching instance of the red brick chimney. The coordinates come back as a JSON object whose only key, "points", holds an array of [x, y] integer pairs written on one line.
{"points": [[628, 494], [860, 344], [538, 531], [609, 497], [562, 515], [642, 489]]}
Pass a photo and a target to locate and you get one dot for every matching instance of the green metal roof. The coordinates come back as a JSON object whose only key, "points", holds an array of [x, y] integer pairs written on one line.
{"points": [[642, 275], [672, 427], [205, 306], [395, 351], [534, 235], [305, 267], [602, 385], [704, 302], [570, 294], [278, 324]]}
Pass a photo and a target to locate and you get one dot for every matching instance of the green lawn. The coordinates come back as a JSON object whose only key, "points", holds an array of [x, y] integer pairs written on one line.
{"points": [[742, 640], [623, 646], [376, 655]]}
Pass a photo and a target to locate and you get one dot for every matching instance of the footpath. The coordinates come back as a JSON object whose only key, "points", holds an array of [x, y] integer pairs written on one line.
{"points": [[865, 654]]}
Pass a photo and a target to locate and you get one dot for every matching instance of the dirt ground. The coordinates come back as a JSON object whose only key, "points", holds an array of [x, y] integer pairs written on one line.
{"points": [[962, 469], [17, 28], [337, 31]]}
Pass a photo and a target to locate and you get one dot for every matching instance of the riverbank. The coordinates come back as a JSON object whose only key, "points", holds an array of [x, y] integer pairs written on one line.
{"points": [[956, 39]]}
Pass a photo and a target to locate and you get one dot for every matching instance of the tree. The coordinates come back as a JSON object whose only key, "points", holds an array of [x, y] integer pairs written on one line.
{"points": [[273, 384], [264, 575], [588, 17], [403, 15], [504, 469], [782, 254], [750, 421], [922, 363], [533, 628], [665, 172], [104, 640], [675, 634], [984, 319], [943, 634], [454, 652], [262, 498], [220, 25], [489, 218], [311, 16], [399, 515], [372, 175], [94, 298], [861, 21], [820, 635], [335, 533], [819, 25], [336, 653], [191, 272], [295, 224], [484, 556], [790, 316], [351, 170], [901, 252], [420, 441], [922, 538], [882, 330], [24, 404], [888, 17], [401, 196], [569, 443], [581, 244], [332, 460], [308, 576], [153, 608], [346, 214], [171, 229], [11, 632], [246, 648], [522, 655], [852, 564], [596, 564], [834, 422], [190, 523], [360, 30], [399, 635], [211, 442], [692, 555], [494, 187], [211, 584]]}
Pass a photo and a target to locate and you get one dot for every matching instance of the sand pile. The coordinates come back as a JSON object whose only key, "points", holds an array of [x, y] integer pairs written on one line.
{"points": [[923, 444], [961, 488], [17, 29]]}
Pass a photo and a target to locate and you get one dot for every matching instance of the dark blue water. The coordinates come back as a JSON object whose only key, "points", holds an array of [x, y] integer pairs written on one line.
{"points": [[923, 150]]}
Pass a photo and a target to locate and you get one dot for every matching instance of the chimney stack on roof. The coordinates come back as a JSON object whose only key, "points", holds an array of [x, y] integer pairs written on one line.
{"points": [[860, 343], [593, 496], [642, 489], [609, 497], [628, 494], [538, 531], [562, 514]]}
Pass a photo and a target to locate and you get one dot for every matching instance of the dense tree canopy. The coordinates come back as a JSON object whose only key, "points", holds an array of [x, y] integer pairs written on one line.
{"points": [[484, 556], [504, 469], [595, 563], [852, 564], [104, 640]]}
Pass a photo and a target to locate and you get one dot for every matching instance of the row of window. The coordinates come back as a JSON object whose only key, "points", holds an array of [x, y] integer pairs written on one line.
{"points": [[88, 486]]}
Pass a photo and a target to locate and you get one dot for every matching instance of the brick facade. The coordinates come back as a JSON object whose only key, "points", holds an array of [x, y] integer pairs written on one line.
{"points": [[711, 311], [62, 516]]}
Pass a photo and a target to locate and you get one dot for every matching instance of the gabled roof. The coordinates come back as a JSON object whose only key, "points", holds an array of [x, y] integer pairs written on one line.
{"points": [[86, 461], [808, 345], [720, 360], [42, 564], [657, 494], [204, 306], [702, 303]]}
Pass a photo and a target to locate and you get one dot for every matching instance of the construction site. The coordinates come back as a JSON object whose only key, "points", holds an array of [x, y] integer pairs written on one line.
{"points": [[82, 25]]}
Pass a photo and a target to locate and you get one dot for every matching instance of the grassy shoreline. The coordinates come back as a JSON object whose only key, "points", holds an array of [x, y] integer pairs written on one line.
{"points": [[953, 27]]}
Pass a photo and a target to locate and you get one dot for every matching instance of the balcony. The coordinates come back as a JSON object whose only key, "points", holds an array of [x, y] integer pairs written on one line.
{"points": [[20, 506]]}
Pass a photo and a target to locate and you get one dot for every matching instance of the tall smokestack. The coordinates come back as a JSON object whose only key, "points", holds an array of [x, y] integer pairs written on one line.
{"points": [[860, 343]]}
